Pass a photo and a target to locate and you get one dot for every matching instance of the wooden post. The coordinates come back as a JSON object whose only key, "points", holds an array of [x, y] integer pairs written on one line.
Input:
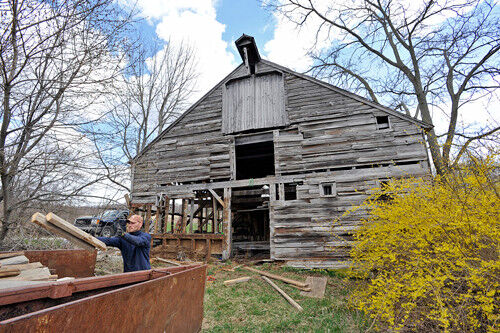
{"points": [[157, 219], [281, 191], [191, 215], [200, 221], [166, 212], [172, 221], [184, 216], [148, 217], [227, 225], [214, 214]]}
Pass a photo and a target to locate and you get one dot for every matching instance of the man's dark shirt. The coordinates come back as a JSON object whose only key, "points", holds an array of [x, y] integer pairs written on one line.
{"points": [[135, 249]]}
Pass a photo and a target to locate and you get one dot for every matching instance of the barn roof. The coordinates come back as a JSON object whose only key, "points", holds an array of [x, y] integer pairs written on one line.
{"points": [[346, 93]]}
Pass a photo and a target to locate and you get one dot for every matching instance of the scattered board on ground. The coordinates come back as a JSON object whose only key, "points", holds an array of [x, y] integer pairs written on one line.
{"points": [[318, 287], [238, 280]]}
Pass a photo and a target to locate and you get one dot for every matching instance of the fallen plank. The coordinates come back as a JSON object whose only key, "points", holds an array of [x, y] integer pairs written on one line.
{"points": [[68, 227], [318, 287], [288, 298], [5, 283], [11, 254], [277, 277], [35, 274], [14, 261], [7, 272], [39, 219], [238, 280], [171, 262], [23, 267]]}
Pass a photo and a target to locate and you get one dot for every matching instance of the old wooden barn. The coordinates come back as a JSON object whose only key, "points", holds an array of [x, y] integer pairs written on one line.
{"points": [[266, 160]]}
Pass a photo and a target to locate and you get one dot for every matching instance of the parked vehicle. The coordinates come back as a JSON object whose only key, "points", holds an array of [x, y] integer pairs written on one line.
{"points": [[84, 223], [109, 223]]}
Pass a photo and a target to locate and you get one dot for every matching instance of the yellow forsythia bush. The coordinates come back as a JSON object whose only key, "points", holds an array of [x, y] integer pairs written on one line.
{"points": [[430, 252]]}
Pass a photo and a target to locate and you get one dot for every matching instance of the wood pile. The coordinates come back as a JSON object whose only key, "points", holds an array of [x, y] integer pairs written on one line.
{"points": [[58, 226], [16, 270]]}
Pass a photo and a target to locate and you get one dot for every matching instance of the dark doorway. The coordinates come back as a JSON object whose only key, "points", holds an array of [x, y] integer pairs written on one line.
{"points": [[254, 160]]}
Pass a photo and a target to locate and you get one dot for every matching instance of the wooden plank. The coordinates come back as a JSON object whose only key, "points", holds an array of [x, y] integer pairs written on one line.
{"points": [[171, 262], [40, 220], [277, 277], [8, 272], [318, 286], [34, 274], [17, 260], [11, 254], [23, 267], [236, 281], [288, 298], [60, 223], [216, 196]]}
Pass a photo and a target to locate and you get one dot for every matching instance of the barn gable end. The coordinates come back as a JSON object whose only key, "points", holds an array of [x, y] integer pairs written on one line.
{"points": [[266, 160]]}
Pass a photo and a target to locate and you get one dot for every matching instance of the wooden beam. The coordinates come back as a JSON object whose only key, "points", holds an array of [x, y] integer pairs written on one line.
{"points": [[165, 214], [236, 281], [288, 298], [148, 217], [227, 225], [214, 215], [6, 272], [216, 196], [191, 215], [11, 254], [277, 277], [127, 199], [66, 226], [39, 219], [184, 216]]}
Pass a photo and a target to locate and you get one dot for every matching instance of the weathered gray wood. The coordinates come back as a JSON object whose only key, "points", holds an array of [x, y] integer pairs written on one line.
{"points": [[288, 298], [62, 224], [329, 136], [40, 220], [17, 260]]}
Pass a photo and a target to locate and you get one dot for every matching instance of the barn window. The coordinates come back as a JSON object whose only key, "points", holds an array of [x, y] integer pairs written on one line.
{"points": [[328, 189], [382, 122]]}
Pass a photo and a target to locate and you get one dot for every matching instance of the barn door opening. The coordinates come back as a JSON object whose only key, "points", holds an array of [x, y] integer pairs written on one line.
{"points": [[250, 206]]}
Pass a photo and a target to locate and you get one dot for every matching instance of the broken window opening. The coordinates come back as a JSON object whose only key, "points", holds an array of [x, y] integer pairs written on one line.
{"points": [[382, 122], [254, 160]]}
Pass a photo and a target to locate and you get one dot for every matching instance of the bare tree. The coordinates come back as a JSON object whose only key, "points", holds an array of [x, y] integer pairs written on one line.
{"points": [[153, 92], [52, 55], [427, 56]]}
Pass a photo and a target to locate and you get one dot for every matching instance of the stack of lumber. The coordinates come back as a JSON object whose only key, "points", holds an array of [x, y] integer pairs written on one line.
{"points": [[58, 226], [15, 269]]}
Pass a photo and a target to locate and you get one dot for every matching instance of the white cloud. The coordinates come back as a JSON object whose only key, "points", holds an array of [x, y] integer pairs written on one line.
{"points": [[194, 22]]}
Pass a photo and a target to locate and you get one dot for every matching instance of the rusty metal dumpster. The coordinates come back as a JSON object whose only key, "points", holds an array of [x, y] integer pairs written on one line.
{"points": [[158, 300]]}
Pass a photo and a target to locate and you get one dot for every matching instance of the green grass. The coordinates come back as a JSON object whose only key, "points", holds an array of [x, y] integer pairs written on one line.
{"points": [[254, 306]]}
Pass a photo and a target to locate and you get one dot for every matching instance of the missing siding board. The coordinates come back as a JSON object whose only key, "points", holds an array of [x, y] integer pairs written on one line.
{"points": [[382, 122], [328, 189]]}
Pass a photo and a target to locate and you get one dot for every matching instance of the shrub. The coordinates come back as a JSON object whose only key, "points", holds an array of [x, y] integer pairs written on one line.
{"points": [[430, 252]]}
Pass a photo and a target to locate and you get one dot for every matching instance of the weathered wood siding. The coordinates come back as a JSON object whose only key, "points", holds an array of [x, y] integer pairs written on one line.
{"points": [[329, 137], [255, 102]]}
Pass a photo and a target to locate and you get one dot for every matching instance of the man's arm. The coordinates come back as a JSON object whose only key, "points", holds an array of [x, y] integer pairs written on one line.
{"points": [[142, 240], [110, 241]]}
